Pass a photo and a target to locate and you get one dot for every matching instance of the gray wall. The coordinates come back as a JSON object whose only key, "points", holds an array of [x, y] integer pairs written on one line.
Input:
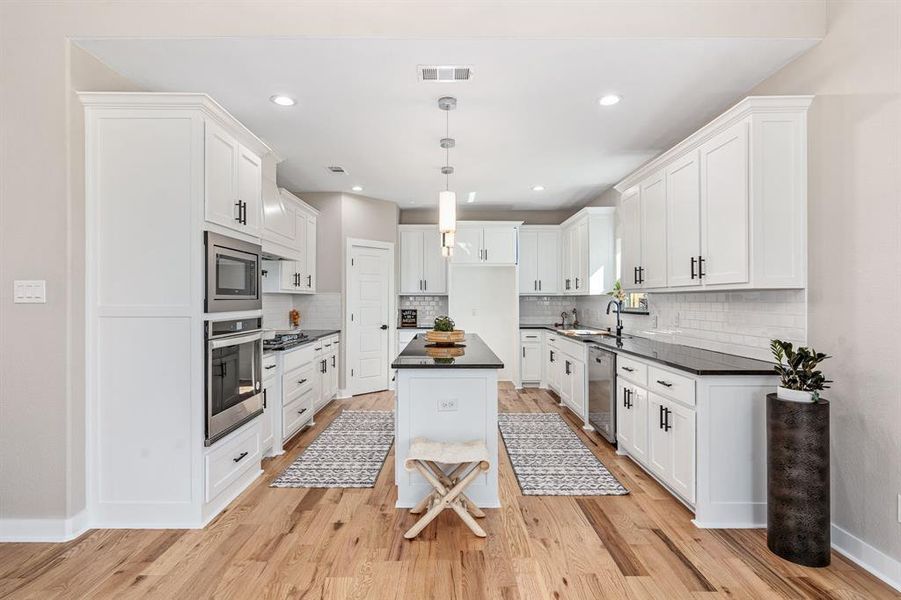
{"points": [[854, 226], [328, 237]]}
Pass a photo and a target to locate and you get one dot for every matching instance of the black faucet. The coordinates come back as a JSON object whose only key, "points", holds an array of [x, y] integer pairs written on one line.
{"points": [[619, 318]]}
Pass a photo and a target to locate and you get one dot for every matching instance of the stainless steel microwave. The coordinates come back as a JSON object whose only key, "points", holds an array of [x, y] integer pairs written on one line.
{"points": [[233, 274]]}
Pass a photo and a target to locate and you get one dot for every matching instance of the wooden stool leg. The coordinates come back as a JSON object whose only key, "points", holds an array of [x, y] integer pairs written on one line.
{"points": [[449, 480], [447, 498], [433, 512]]}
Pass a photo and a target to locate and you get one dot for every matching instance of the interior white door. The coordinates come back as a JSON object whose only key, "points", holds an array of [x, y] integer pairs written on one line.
{"points": [[499, 245], [630, 215], [653, 232], [683, 211], [368, 305], [528, 262], [250, 186], [434, 265], [468, 245], [548, 261], [411, 257], [724, 206]]}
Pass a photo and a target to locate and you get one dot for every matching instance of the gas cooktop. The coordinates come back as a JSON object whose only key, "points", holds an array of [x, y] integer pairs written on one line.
{"points": [[284, 340]]}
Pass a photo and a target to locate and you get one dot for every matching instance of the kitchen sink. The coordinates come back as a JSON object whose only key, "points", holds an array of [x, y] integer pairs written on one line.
{"points": [[575, 332]]}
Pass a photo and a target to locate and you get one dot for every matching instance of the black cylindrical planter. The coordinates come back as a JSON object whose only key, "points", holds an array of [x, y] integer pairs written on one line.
{"points": [[798, 507]]}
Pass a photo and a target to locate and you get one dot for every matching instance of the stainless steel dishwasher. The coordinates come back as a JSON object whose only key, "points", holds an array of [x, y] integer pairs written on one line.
{"points": [[602, 392]]}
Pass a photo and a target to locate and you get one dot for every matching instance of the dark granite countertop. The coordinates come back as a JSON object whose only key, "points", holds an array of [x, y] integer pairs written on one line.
{"points": [[685, 358], [473, 354]]}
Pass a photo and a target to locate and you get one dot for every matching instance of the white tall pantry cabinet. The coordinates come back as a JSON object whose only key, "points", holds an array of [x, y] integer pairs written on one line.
{"points": [[160, 169]]}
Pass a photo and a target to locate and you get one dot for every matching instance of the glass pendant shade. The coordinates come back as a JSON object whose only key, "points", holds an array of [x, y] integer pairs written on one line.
{"points": [[447, 211]]}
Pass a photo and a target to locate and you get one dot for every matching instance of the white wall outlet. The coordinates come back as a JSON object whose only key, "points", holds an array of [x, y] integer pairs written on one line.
{"points": [[447, 404], [30, 291]]}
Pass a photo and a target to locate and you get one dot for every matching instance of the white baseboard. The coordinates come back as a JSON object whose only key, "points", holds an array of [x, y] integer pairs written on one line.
{"points": [[43, 530], [867, 557]]}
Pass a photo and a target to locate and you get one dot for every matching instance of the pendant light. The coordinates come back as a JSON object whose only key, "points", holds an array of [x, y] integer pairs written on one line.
{"points": [[447, 200]]}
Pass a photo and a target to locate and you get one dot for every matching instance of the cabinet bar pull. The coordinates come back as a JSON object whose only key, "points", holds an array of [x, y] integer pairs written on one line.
{"points": [[240, 457], [666, 425], [301, 382], [661, 416], [238, 205], [664, 383], [264, 398], [523, 351], [566, 363], [539, 285], [693, 267], [301, 411], [577, 283], [629, 369], [309, 281], [267, 367], [425, 284], [701, 261], [635, 275]]}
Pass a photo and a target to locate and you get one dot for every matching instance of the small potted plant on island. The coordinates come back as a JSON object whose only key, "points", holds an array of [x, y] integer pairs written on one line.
{"points": [[444, 334], [798, 502]]}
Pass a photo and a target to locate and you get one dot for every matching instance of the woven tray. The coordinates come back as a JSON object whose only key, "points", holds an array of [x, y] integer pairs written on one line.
{"points": [[445, 338]]}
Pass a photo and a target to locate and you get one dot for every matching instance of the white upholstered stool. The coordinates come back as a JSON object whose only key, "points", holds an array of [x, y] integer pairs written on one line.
{"points": [[469, 458]]}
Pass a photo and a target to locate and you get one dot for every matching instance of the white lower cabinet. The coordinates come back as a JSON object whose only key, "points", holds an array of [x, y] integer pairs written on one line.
{"points": [[531, 356], [230, 459], [632, 420], [272, 391]]}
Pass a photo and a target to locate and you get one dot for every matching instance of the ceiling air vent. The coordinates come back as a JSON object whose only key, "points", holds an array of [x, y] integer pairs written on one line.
{"points": [[444, 73], [337, 170]]}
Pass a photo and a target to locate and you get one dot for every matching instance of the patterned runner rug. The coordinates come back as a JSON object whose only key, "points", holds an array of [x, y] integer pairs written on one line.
{"points": [[549, 459], [350, 453]]}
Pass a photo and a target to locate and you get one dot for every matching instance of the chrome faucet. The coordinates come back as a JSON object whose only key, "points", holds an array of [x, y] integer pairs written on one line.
{"points": [[563, 316], [619, 318]]}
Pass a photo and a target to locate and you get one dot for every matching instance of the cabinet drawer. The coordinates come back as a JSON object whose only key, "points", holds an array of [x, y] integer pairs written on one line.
{"points": [[230, 460], [530, 335], [632, 370], [301, 356], [270, 366], [671, 385], [297, 412], [551, 340], [296, 379]]}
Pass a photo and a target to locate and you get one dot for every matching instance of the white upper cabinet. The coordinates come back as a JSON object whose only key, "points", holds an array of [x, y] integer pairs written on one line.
{"points": [[233, 181], [683, 212], [486, 242], [289, 232], [589, 261], [652, 271], [724, 209], [539, 260], [422, 268]]}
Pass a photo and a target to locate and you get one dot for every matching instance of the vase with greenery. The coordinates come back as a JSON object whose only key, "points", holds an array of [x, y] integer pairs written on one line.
{"points": [[800, 380]]}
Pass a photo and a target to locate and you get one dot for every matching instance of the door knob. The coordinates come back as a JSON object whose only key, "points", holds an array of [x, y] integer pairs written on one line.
{"points": [[383, 327]]}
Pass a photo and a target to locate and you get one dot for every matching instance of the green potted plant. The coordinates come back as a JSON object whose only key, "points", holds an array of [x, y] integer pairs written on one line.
{"points": [[800, 380]]}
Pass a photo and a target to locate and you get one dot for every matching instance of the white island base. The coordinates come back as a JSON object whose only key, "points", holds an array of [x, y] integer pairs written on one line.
{"points": [[451, 404]]}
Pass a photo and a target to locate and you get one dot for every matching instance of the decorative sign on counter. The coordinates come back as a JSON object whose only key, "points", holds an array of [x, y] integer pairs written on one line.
{"points": [[408, 317]]}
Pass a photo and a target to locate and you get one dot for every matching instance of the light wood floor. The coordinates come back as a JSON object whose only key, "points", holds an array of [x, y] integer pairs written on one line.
{"points": [[348, 543]]}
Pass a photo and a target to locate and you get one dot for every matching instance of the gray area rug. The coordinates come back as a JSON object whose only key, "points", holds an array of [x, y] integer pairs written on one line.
{"points": [[350, 453], [549, 459]]}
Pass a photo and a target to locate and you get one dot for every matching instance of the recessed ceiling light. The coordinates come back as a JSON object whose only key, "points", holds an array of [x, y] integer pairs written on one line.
{"points": [[471, 198], [283, 100], [537, 188], [356, 188], [609, 100]]}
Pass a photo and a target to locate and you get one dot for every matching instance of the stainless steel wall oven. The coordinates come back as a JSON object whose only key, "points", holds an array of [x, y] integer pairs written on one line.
{"points": [[234, 386]]}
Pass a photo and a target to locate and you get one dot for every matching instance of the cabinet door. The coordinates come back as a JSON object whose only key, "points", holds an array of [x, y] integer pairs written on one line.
{"points": [[334, 373], [250, 189], [220, 177], [434, 266], [279, 216], [630, 216], [300, 244], [528, 262], [724, 206], [468, 245], [659, 441], [553, 369], [566, 278], [530, 365], [547, 261], [308, 273], [639, 412], [653, 231], [683, 218], [566, 380], [269, 401], [625, 420], [578, 387], [579, 259], [411, 262], [499, 245], [682, 435], [289, 276]]}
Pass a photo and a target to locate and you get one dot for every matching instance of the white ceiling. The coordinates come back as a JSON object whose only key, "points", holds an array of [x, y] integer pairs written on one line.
{"points": [[529, 115]]}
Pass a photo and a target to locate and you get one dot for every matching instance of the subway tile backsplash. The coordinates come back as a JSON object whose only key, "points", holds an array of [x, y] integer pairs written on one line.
{"points": [[317, 311], [427, 308], [741, 323], [541, 310]]}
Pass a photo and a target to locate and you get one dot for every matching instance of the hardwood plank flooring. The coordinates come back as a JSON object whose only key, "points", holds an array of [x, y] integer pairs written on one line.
{"points": [[348, 543]]}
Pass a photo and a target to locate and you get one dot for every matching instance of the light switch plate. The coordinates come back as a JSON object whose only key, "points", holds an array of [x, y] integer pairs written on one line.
{"points": [[30, 291]]}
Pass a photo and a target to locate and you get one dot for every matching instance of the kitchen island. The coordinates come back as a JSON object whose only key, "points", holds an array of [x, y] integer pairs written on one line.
{"points": [[447, 394]]}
